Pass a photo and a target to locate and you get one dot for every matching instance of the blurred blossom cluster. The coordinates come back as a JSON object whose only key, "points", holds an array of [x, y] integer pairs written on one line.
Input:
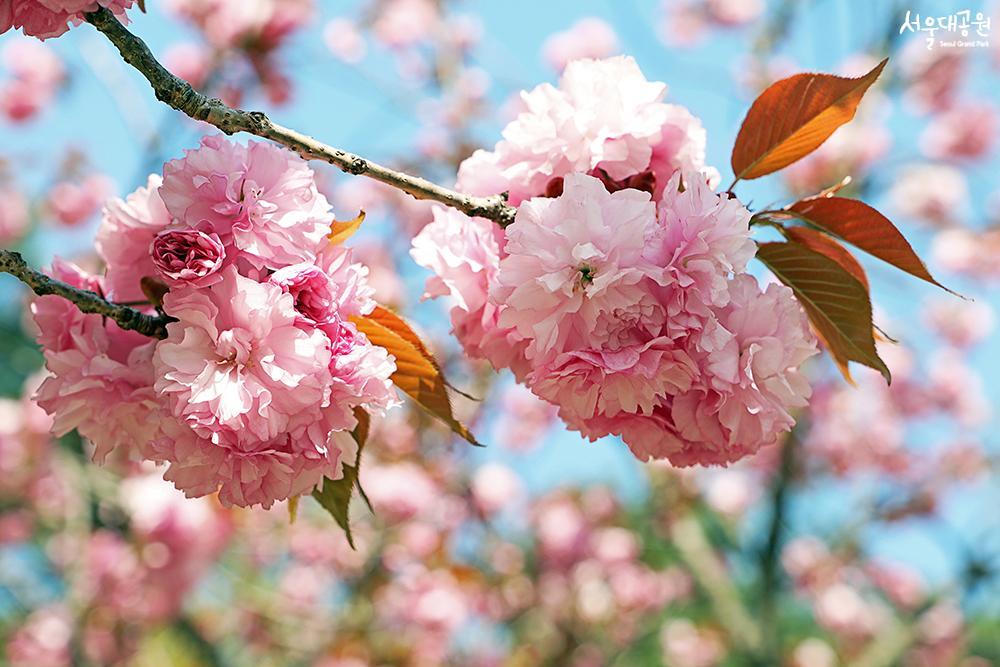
{"points": [[239, 46], [685, 23], [837, 545], [459, 563], [32, 77]]}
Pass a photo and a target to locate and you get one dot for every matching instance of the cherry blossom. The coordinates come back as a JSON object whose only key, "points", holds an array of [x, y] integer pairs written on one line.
{"points": [[50, 18]]}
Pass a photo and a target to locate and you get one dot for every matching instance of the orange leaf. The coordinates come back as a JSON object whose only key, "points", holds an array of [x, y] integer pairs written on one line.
{"points": [[341, 231], [836, 303], [417, 372], [825, 245], [393, 321], [860, 225], [793, 117]]}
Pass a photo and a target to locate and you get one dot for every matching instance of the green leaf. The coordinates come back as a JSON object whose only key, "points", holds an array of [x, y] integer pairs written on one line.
{"points": [[335, 494], [837, 303]]}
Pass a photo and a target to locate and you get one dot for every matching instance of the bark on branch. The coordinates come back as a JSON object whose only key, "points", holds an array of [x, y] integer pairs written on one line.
{"points": [[87, 301], [180, 95]]}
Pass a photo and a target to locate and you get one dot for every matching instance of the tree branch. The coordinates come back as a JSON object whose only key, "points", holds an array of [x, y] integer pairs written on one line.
{"points": [[87, 301], [180, 95]]}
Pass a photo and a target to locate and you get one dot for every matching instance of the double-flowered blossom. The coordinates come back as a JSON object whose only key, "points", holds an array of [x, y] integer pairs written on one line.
{"points": [[261, 200], [188, 256], [604, 118], [232, 360], [620, 293], [51, 18], [574, 271], [253, 392], [747, 379], [464, 254], [128, 228]]}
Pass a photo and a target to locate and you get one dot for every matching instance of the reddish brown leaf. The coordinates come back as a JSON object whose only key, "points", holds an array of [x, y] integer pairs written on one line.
{"points": [[417, 372], [825, 245], [793, 117], [861, 225], [836, 303], [832, 189]]}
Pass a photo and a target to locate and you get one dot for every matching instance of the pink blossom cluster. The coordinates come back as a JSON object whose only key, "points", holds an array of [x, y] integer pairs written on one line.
{"points": [[253, 391], [524, 419], [684, 643], [51, 18], [428, 605], [25, 453], [589, 563], [967, 131], [590, 37], [399, 24], [685, 22], [605, 119], [841, 605], [262, 25], [129, 582], [930, 193], [866, 427], [178, 540], [854, 601], [969, 252], [252, 30], [35, 75], [14, 218], [73, 202], [933, 76], [415, 34], [43, 639], [619, 293]]}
